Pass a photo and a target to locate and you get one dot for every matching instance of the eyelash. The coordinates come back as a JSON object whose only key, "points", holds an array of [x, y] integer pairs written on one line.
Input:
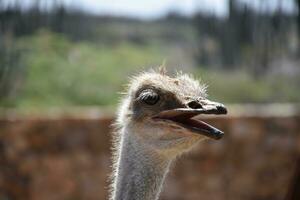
{"points": [[149, 97]]}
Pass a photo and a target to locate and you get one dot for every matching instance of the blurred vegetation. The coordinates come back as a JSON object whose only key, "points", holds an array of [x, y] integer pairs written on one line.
{"points": [[70, 58], [241, 87], [64, 73], [60, 72]]}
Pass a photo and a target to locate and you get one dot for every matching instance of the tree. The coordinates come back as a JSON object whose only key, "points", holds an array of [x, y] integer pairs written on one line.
{"points": [[298, 23]]}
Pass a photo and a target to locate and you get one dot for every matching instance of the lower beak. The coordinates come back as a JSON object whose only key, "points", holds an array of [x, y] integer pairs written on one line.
{"points": [[184, 117]]}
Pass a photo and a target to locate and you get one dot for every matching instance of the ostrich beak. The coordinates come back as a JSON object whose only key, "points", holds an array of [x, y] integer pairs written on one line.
{"points": [[185, 117]]}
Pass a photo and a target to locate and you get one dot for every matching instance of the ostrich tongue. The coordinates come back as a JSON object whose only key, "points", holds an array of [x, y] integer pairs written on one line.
{"points": [[184, 118]]}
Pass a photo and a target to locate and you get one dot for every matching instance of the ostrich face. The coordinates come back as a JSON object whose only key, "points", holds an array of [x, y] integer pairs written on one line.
{"points": [[160, 110]]}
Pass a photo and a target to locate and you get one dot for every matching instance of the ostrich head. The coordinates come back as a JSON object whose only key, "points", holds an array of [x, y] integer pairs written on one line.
{"points": [[159, 111]]}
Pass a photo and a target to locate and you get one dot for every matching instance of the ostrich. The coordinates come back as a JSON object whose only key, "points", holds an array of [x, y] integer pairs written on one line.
{"points": [[155, 125]]}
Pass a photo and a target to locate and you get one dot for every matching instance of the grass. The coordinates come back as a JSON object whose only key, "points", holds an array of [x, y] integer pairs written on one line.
{"points": [[62, 73]]}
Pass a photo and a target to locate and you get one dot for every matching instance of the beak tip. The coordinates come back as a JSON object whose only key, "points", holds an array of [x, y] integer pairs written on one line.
{"points": [[219, 135]]}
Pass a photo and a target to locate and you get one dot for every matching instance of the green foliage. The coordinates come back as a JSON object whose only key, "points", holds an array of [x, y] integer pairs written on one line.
{"points": [[241, 87], [62, 73]]}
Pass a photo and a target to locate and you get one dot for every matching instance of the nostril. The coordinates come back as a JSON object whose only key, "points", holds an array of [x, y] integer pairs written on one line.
{"points": [[222, 109], [194, 104]]}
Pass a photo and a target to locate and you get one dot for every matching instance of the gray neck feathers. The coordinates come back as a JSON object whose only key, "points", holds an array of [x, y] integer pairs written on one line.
{"points": [[139, 171]]}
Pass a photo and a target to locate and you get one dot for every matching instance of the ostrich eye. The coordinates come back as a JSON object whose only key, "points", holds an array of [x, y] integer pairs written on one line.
{"points": [[149, 97]]}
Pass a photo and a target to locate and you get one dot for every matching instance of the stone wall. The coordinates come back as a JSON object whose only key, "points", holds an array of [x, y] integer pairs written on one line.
{"points": [[68, 158]]}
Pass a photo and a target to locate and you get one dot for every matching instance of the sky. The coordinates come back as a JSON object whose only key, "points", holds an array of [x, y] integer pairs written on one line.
{"points": [[155, 8], [147, 9]]}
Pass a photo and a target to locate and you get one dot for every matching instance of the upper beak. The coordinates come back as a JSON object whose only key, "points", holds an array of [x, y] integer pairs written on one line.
{"points": [[204, 107], [183, 116], [210, 107]]}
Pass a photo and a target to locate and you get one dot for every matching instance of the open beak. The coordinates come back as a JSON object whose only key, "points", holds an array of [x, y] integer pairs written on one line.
{"points": [[185, 117]]}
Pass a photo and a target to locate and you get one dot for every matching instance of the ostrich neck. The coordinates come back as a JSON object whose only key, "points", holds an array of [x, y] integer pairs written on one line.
{"points": [[140, 172]]}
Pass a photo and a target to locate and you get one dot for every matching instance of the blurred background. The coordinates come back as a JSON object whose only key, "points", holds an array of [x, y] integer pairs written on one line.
{"points": [[63, 62], [66, 53]]}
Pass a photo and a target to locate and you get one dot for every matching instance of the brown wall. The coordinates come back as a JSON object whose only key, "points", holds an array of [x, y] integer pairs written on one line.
{"points": [[68, 158]]}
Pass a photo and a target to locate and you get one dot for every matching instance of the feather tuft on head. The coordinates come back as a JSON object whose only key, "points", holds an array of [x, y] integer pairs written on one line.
{"points": [[162, 68]]}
